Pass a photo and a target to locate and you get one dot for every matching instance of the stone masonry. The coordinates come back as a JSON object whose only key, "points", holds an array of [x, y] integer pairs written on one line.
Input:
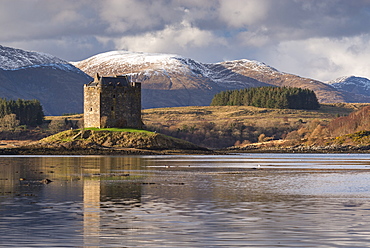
{"points": [[112, 102]]}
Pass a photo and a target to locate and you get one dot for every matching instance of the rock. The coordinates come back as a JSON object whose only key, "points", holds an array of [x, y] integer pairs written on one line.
{"points": [[46, 181]]}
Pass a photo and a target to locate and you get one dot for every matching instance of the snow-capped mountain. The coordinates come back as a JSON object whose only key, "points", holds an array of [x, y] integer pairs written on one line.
{"points": [[57, 84], [172, 80], [15, 59], [356, 85], [168, 80], [145, 61]]}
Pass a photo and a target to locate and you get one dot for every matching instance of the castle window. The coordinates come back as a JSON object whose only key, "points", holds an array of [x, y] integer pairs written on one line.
{"points": [[114, 96], [90, 109], [112, 108]]}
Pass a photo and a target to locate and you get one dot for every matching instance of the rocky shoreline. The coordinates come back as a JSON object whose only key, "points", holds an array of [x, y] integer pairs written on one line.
{"points": [[105, 151], [125, 143], [98, 151], [74, 142], [303, 149]]}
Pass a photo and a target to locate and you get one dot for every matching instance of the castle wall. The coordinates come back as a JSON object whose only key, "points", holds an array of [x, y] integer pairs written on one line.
{"points": [[121, 106], [92, 106], [112, 105]]}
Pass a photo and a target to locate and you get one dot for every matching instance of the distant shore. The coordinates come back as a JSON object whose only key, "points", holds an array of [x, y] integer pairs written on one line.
{"points": [[100, 151], [302, 149], [29, 150]]}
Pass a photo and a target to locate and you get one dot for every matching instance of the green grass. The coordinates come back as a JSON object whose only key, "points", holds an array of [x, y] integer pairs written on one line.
{"points": [[129, 130]]}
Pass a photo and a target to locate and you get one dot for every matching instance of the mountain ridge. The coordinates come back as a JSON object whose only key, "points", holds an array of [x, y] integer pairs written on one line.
{"points": [[168, 80], [352, 84], [168, 72], [56, 83]]}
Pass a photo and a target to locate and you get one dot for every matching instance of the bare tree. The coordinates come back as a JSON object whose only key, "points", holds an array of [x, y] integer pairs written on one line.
{"points": [[9, 122], [57, 125]]}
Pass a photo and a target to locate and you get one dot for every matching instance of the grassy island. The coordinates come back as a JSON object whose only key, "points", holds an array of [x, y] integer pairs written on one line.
{"points": [[112, 140]]}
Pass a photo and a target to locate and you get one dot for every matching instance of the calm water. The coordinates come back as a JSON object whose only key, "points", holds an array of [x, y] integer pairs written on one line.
{"points": [[247, 200]]}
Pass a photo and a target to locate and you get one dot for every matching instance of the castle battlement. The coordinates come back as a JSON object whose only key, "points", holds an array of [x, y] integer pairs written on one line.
{"points": [[112, 102]]}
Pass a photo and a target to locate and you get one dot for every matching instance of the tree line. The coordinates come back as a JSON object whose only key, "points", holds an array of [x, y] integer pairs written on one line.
{"points": [[268, 97], [28, 112]]}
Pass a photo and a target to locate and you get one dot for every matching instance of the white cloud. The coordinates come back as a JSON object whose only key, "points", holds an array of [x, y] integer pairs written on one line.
{"points": [[239, 14], [172, 39], [315, 38], [323, 58], [32, 19], [136, 16]]}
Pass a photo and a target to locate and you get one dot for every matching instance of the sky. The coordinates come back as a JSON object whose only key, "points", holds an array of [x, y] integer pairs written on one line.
{"points": [[319, 39]]}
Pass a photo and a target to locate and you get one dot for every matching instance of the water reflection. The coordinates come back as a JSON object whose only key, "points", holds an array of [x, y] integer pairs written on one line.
{"points": [[91, 209], [185, 201]]}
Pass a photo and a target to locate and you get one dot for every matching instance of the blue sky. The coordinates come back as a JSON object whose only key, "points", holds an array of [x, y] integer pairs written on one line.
{"points": [[319, 39]]}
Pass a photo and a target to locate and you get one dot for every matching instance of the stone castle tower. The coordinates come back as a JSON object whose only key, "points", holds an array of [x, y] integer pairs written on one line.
{"points": [[112, 102]]}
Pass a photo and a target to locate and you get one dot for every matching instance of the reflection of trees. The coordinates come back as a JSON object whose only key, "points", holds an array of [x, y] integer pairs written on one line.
{"points": [[12, 169]]}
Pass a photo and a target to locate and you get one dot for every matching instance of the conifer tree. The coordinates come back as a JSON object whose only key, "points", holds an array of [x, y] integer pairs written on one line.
{"points": [[28, 112], [268, 97]]}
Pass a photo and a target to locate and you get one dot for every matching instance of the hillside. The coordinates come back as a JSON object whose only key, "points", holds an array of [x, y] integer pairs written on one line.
{"points": [[207, 126], [57, 84], [170, 80], [223, 126], [266, 74], [350, 133]]}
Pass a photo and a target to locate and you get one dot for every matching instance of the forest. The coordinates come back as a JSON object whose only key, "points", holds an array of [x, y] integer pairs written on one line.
{"points": [[268, 97], [21, 112]]}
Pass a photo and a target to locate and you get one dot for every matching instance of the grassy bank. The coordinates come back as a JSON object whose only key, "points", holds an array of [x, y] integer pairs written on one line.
{"points": [[223, 126], [115, 139]]}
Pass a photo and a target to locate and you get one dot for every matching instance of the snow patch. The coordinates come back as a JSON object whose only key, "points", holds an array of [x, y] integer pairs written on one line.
{"points": [[14, 59], [148, 61], [251, 65], [347, 82]]}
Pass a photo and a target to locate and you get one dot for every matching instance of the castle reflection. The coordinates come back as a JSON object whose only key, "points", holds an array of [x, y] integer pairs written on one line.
{"points": [[87, 180]]}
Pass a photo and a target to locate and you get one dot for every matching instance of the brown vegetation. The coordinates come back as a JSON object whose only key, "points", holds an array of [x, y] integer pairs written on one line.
{"points": [[351, 130], [225, 126], [11, 130]]}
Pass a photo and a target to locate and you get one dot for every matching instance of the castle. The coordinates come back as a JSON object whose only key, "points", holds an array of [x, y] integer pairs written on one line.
{"points": [[112, 102]]}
